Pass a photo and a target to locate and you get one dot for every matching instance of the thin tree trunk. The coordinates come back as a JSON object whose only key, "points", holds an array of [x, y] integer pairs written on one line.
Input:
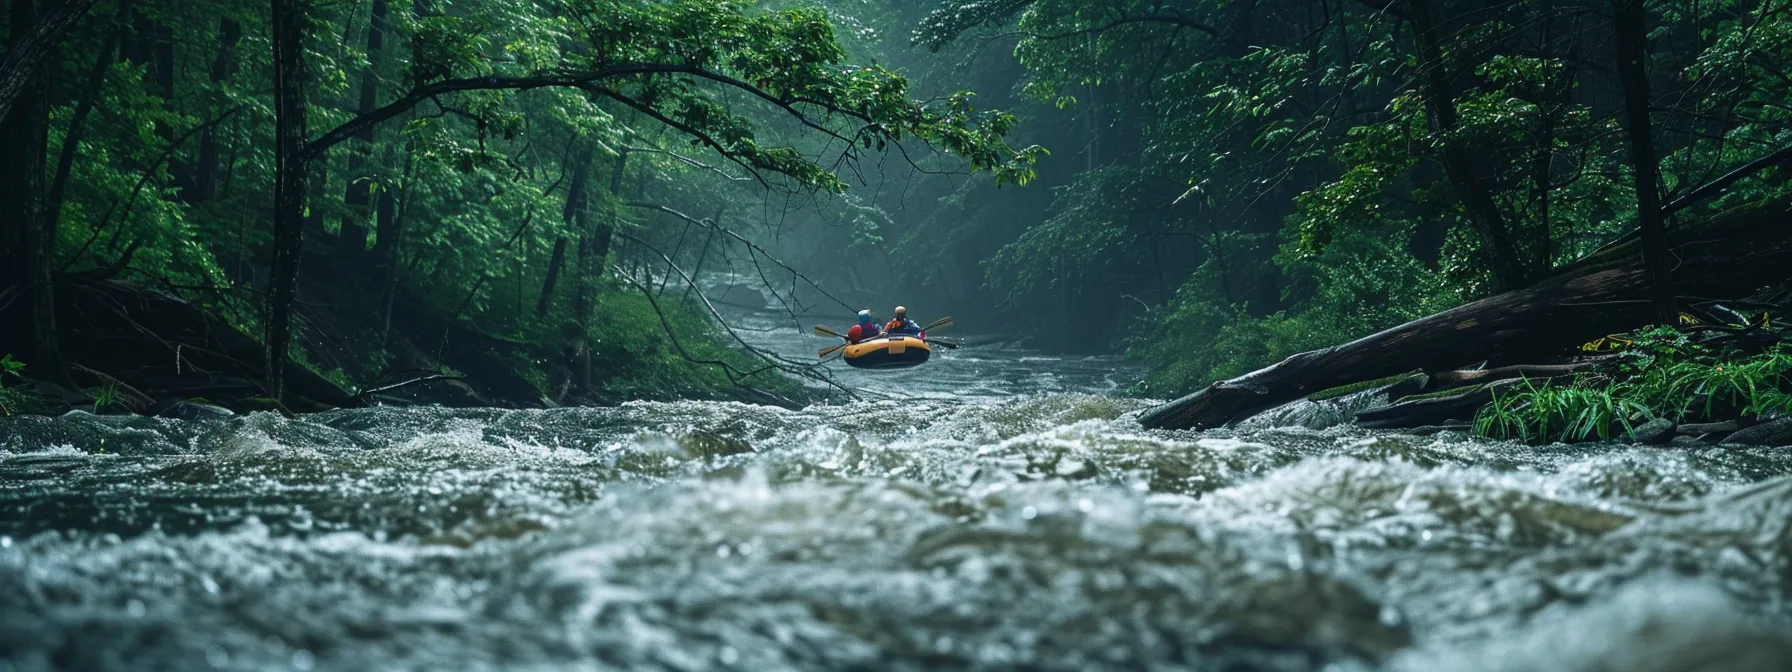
{"points": [[359, 185], [24, 142], [1630, 23], [77, 126], [547, 286], [316, 194], [30, 47], [206, 171], [1543, 158], [576, 217], [386, 246], [1466, 173], [290, 80]]}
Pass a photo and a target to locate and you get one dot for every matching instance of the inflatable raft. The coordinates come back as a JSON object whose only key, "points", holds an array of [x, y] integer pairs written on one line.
{"points": [[888, 352]]}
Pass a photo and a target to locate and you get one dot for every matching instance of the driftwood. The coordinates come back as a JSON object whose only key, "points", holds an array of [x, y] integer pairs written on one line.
{"points": [[1732, 253], [1459, 406]]}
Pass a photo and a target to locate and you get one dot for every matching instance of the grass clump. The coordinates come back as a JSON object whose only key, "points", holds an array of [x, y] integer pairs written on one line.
{"points": [[1663, 373]]}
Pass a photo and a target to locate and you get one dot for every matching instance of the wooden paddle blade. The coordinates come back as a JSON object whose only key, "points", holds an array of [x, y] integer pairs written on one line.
{"points": [[938, 324], [828, 351], [824, 331]]}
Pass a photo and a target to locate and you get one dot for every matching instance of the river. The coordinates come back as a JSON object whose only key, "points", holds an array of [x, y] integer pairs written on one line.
{"points": [[995, 509]]}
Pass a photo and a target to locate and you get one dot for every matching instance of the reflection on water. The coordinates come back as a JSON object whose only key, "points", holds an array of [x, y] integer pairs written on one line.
{"points": [[992, 514]]}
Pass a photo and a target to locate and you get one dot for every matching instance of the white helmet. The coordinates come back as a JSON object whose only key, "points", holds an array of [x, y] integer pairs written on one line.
{"points": [[901, 310], [866, 314]]}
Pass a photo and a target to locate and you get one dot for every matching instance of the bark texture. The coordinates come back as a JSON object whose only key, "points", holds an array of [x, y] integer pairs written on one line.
{"points": [[289, 184]]}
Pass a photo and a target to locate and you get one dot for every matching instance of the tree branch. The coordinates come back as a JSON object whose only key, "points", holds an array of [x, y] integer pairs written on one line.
{"points": [[751, 246], [781, 363]]}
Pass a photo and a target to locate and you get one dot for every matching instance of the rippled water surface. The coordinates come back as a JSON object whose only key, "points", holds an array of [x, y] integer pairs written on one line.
{"points": [[991, 510]]}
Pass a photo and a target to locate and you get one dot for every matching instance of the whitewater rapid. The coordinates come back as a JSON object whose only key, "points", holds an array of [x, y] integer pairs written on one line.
{"points": [[1032, 525]]}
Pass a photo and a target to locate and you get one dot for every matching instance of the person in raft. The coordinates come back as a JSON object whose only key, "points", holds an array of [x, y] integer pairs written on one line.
{"points": [[866, 328], [902, 325]]}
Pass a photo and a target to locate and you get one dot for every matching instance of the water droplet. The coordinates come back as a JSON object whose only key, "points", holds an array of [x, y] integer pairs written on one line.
{"points": [[723, 551], [1425, 536], [209, 585], [1085, 505], [1029, 513], [1389, 616], [303, 661], [5, 542], [729, 655], [135, 608], [943, 644]]}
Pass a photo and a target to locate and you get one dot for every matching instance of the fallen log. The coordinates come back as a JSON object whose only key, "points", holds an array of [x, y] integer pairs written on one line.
{"points": [[1728, 254], [1446, 379], [1454, 406]]}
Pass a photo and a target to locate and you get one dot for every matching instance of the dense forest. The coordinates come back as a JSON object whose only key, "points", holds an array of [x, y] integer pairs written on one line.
{"points": [[307, 203], [1047, 335]]}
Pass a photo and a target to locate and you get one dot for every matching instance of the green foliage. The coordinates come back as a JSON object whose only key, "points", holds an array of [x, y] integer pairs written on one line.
{"points": [[1198, 341], [11, 367], [1540, 412], [105, 396], [1232, 183], [15, 400], [1241, 109], [1663, 374]]}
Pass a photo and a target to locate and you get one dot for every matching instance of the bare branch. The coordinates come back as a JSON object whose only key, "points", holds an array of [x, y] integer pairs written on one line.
{"points": [[743, 240], [786, 365]]}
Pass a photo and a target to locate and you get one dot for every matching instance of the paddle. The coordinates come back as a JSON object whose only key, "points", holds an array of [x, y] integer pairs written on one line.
{"points": [[824, 331], [944, 344], [938, 324], [833, 350]]}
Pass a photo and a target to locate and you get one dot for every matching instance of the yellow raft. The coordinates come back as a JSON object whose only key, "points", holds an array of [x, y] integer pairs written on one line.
{"points": [[888, 352]]}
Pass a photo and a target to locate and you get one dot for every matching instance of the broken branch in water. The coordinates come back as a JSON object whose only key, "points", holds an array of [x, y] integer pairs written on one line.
{"points": [[397, 386]]}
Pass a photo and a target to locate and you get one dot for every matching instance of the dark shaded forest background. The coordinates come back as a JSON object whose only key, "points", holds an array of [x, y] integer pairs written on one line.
{"points": [[1205, 185]]}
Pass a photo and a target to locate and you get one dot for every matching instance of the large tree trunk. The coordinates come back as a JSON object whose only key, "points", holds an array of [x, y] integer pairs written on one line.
{"points": [[1629, 22], [290, 81], [29, 49], [30, 240], [1731, 254], [360, 186]]}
